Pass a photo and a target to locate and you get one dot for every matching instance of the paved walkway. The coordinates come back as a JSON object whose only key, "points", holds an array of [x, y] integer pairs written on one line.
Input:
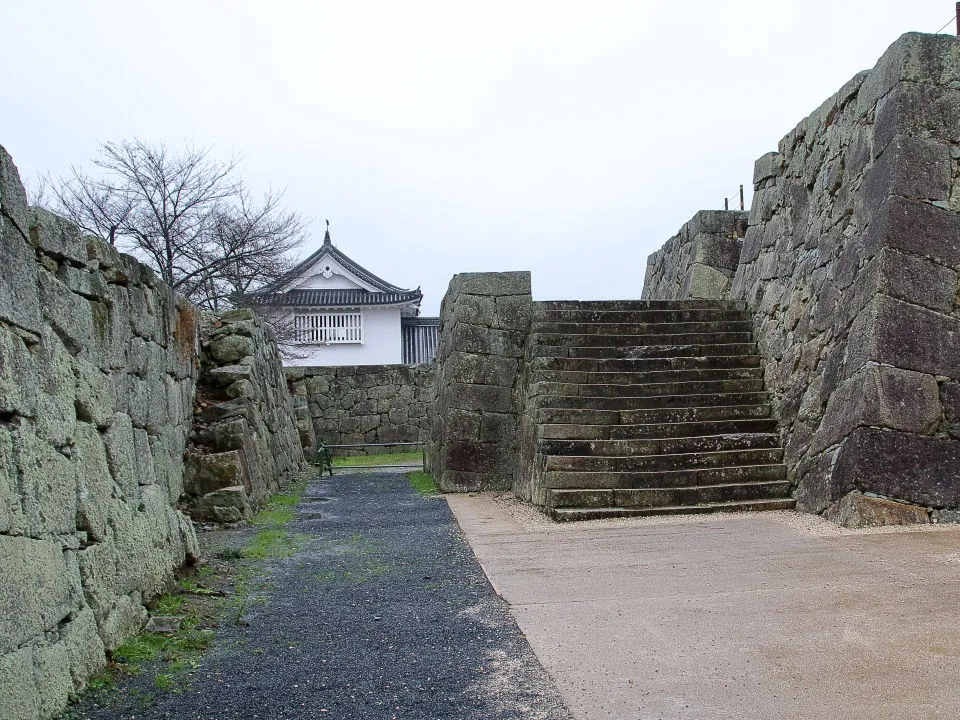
{"points": [[762, 616]]}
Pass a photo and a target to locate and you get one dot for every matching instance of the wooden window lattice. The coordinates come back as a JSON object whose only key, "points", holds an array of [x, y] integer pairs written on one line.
{"points": [[329, 328]]}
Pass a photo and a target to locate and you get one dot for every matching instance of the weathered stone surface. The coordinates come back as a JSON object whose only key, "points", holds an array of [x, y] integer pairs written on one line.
{"points": [[880, 396], [491, 284], [37, 584], [57, 237], [855, 510], [850, 261], [98, 368], [923, 470], [230, 348], [96, 400], [224, 376], [473, 442], [897, 333], [211, 472], [246, 432], [699, 261], [392, 400]]}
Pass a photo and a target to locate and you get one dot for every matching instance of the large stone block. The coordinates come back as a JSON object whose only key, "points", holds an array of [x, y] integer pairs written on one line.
{"points": [[36, 682], [69, 315], [880, 396], [38, 584], [94, 482], [487, 398], [19, 381], [918, 469], [855, 510], [96, 400], [57, 237], [918, 110], [916, 228], [489, 284], [47, 485], [912, 168], [893, 332], [209, 473], [122, 455]]}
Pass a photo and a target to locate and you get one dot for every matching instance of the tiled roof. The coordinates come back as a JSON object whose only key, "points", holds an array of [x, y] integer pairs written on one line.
{"points": [[328, 249], [336, 298]]}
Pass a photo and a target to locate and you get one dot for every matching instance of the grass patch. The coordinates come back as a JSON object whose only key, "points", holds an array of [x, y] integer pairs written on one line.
{"points": [[273, 516], [422, 482], [397, 458], [223, 590], [273, 543]]}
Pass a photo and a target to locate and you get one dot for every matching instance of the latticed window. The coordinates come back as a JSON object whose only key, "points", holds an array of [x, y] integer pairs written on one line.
{"points": [[329, 327]]}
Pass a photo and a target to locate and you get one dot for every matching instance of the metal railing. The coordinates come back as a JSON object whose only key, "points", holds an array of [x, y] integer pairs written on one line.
{"points": [[324, 458]]}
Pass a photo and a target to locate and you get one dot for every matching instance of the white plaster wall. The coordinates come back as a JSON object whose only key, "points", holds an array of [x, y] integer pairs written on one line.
{"points": [[381, 343]]}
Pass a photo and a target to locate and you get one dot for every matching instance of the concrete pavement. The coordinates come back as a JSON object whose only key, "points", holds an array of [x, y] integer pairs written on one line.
{"points": [[766, 615]]}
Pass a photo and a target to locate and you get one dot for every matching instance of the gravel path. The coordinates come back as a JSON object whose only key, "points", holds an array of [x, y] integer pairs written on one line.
{"points": [[384, 612]]}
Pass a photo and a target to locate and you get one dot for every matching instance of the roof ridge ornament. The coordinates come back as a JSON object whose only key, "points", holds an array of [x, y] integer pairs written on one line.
{"points": [[326, 237]]}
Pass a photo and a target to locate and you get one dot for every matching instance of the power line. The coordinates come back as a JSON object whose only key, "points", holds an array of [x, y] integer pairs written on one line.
{"points": [[946, 25]]}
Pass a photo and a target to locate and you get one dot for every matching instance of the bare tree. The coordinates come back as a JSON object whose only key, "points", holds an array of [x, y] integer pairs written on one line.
{"points": [[186, 214]]}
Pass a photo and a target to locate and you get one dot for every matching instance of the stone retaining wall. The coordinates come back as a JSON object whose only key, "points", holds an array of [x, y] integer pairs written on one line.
{"points": [[245, 443], [99, 367], [484, 322], [358, 404], [97, 381], [699, 261], [851, 263]]}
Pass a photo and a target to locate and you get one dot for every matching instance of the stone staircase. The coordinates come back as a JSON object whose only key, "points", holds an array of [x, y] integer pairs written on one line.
{"points": [[653, 407]]}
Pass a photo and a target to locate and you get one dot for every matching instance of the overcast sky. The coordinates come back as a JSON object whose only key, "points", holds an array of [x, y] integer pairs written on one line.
{"points": [[566, 138]]}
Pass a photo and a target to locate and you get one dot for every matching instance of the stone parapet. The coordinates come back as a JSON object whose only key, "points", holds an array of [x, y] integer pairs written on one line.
{"points": [[484, 324], [699, 261]]}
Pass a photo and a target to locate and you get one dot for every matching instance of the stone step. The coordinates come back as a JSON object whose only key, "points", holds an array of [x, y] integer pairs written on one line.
{"points": [[682, 461], [571, 514], [638, 316], [651, 416], [649, 402], [586, 480], [573, 431], [695, 387], [646, 377], [641, 329], [718, 362], [636, 305], [659, 446], [664, 339], [635, 352], [671, 496]]}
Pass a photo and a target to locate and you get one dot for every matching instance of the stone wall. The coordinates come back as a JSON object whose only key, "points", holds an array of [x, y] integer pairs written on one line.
{"points": [[97, 380], [699, 261], [358, 404], [245, 443], [851, 261], [484, 322]]}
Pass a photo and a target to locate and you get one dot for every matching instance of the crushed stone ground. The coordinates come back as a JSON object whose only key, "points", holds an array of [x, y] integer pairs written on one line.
{"points": [[384, 612]]}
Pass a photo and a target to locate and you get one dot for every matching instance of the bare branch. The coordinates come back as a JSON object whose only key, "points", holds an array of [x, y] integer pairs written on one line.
{"points": [[184, 213]]}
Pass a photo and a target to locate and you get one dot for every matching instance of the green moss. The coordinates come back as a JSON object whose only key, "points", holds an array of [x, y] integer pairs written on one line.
{"points": [[422, 482]]}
